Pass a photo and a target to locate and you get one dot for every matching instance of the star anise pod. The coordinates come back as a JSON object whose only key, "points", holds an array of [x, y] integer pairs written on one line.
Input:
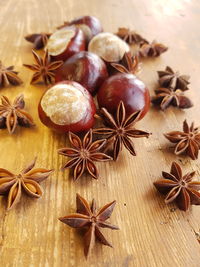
{"points": [[91, 219], [65, 24], [187, 141], [166, 97], [8, 76], [153, 49], [84, 153], [170, 79], [39, 40], [28, 181], [131, 37], [179, 188], [119, 130], [128, 64], [44, 68], [14, 114]]}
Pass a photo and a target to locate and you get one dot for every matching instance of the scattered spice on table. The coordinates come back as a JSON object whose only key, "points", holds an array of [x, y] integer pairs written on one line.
{"points": [[8, 76]]}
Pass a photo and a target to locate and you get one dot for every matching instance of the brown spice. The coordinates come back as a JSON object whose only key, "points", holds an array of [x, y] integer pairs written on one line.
{"points": [[39, 40], [91, 219], [179, 188], [28, 181], [8, 76]]}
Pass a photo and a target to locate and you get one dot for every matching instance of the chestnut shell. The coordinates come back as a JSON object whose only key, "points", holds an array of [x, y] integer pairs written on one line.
{"points": [[75, 45], [129, 89], [85, 68], [83, 125]]}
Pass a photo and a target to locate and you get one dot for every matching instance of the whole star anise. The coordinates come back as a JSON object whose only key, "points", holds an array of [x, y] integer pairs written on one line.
{"points": [[83, 154], [8, 76], [170, 79], [92, 220], [119, 130], [14, 114], [166, 97], [39, 40], [28, 181], [128, 64], [131, 37], [187, 141], [179, 188], [44, 68], [153, 49]]}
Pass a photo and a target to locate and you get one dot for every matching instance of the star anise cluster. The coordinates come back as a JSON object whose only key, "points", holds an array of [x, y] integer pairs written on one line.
{"points": [[91, 219], [44, 68], [14, 114], [179, 188], [131, 37], [8, 76], [187, 141], [84, 153], [27, 180], [39, 40], [153, 49], [120, 130], [172, 90]]}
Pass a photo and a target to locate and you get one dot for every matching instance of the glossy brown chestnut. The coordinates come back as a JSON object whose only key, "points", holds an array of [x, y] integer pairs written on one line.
{"points": [[66, 42], [108, 46], [90, 26], [125, 87], [85, 68], [67, 106]]}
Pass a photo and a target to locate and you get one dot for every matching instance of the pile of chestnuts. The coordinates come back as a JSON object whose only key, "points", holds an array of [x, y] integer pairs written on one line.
{"points": [[87, 53]]}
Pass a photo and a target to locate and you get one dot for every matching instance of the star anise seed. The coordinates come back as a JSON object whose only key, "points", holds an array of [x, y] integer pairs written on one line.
{"points": [[39, 40], [8, 76], [91, 219], [170, 79], [166, 97], [131, 37], [84, 153], [28, 181], [119, 130], [128, 64], [14, 114], [179, 188], [153, 49], [187, 141], [44, 68]]}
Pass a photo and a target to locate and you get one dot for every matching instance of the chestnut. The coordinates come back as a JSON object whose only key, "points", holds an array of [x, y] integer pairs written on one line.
{"points": [[85, 68], [65, 42], [67, 106], [108, 46], [128, 88], [90, 26]]}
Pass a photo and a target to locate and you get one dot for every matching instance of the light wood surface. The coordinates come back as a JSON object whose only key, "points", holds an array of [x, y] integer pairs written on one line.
{"points": [[151, 233]]}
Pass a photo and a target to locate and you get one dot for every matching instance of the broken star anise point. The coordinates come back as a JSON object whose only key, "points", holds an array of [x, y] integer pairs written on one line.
{"points": [[170, 79], [8, 76], [27, 181], [91, 219], [119, 131], [44, 68], [84, 153], [179, 188], [187, 141], [39, 40], [14, 114]]}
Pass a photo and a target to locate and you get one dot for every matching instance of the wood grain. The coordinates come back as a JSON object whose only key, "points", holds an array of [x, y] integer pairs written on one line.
{"points": [[152, 234]]}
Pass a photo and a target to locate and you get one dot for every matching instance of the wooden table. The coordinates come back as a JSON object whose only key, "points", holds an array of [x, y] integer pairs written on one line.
{"points": [[152, 234]]}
